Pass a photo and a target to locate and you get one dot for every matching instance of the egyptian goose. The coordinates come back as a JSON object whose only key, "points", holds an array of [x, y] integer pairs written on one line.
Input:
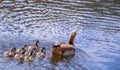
{"points": [[65, 49]]}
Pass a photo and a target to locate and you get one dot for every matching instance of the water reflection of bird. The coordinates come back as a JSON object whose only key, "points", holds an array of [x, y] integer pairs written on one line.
{"points": [[41, 52], [61, 49], [10, 53]]}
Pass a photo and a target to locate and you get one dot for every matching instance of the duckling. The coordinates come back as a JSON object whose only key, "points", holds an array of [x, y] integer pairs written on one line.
{"points": [[28, 56], [67, 49], [19, 55], [41, 52], [10, 53], [35, 46]]}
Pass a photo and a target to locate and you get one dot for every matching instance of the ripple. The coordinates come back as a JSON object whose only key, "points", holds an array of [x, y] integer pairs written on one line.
{"points": [[97, 24]]}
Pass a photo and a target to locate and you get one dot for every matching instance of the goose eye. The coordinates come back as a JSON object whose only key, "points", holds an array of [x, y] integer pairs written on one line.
{"points": [[56, 46]]}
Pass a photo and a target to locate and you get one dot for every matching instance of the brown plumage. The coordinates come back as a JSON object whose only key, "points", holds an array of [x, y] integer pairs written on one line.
{"points": [[65, 49]]}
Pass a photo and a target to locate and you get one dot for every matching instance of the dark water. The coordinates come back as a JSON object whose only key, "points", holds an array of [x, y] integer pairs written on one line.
{"points": [[97, 23]]}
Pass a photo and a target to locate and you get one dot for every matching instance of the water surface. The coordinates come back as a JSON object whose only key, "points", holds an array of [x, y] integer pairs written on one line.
{"points": [[98, 32]]}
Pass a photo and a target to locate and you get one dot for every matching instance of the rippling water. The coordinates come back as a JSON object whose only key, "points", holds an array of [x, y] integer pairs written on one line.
{"points": [[98, 31]]}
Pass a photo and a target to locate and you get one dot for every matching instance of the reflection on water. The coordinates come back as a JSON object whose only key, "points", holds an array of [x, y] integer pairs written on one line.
{"points": [[97, 23]]}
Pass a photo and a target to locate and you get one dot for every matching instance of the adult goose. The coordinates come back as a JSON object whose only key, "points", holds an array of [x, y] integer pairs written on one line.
{"points": [[66, 49]]}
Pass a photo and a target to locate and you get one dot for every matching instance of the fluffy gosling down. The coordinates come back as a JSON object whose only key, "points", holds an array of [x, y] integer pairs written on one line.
{"points": [[10, 53], [41, 52]]}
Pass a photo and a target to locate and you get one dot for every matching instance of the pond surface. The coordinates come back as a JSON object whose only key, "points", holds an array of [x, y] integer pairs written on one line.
{"points": [[97, 22]]}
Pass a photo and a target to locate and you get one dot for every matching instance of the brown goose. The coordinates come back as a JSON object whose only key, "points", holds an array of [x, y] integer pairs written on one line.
{"points": [[65, 49]]}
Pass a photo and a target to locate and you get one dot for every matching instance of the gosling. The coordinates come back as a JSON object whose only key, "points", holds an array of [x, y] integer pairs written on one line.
{"points": [[41, 52]]}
